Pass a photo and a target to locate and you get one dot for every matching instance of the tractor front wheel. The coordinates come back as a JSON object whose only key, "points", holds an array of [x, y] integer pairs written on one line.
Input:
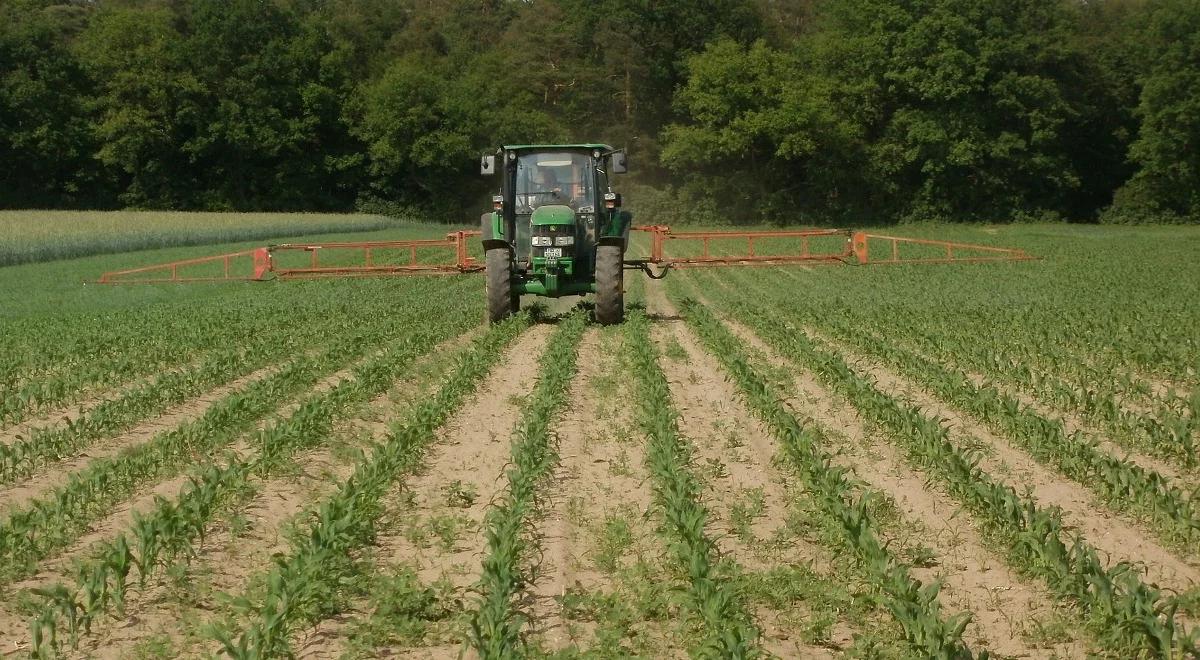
{"points": [[610, 284], [502, 301]]}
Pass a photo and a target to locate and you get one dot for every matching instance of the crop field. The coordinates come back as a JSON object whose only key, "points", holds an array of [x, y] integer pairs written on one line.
{"points": [[32, 236], [919, 461]]}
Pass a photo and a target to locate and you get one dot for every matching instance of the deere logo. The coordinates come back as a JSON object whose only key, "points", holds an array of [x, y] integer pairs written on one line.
{"points": [[553, 228]]}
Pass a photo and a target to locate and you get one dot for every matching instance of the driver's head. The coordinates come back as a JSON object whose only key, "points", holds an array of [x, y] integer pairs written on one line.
{"points": [[547, 178]]}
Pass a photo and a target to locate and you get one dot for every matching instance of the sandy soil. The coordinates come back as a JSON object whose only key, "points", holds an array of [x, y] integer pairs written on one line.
{"points": [[473, 450]]}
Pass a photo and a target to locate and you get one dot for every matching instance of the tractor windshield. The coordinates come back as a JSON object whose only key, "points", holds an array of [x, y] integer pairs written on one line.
{"points": [[555, 178]]}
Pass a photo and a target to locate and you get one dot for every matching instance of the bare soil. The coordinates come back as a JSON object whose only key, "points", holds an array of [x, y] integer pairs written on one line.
{"points": [[1116, 537], [973, 578], [430, 530]]}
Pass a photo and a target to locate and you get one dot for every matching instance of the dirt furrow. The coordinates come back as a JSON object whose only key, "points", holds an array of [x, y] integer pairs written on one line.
{"points": [[747, 500], [1072, 423], [1116, 538], [435, 518], [256, 532], [59, 473], [59, 416], [121, 517], [973, 578]]}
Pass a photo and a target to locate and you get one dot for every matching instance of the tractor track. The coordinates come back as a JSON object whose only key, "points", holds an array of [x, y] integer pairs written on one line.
{"points": [[600, 480]]}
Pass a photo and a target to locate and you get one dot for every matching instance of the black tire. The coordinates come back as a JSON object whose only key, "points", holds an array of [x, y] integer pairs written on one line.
{"points": [[610, 284], [502, 301]]}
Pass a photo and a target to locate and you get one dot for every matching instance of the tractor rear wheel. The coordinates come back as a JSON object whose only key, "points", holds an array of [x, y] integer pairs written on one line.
{"points": [[502, 301], [610, 284]]}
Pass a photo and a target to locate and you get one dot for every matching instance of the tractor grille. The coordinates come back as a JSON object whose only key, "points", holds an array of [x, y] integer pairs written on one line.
{"points": [[553, 234]]}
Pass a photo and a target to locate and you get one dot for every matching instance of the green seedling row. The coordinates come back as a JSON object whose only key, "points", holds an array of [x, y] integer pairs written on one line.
{"points": [[496, 622], [913, 605], [44, 446], [727, 629], [1129, 617], [307, 583], [1123, 485], [175, 529], [51, 522]]}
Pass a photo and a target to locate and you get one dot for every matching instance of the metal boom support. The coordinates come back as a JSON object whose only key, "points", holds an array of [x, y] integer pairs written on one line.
{"points": [[667, 249]]}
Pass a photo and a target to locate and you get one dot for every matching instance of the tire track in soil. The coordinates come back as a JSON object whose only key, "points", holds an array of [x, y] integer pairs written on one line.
{"points": [[580, 472], [279, 501], [54, 475], [58, 567], [973, 578], [1114, 536], [474, 449], [711, 415]]}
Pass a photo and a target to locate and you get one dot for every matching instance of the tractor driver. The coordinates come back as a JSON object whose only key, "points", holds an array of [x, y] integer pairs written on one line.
{"points": [[545, 182]]}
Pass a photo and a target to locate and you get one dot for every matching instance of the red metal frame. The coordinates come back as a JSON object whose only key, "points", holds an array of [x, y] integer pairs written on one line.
{"points": [[861, 242], [264, 266], [855, 248], [661, 235]]}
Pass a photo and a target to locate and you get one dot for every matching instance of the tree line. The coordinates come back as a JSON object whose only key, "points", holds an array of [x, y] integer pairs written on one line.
{"points": [[787, 111]]}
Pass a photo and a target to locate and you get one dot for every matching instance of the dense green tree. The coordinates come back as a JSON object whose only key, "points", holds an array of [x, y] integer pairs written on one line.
{"points": [[46, 145], [1166, 184], [737, 110]]}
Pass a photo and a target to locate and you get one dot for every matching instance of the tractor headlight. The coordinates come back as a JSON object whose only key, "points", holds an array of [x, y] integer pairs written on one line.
{"points": [[564, 240], [541, 241]]}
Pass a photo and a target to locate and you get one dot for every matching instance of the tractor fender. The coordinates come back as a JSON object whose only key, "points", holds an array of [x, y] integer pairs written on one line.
{"points": [[488, 224], [623, 221]]}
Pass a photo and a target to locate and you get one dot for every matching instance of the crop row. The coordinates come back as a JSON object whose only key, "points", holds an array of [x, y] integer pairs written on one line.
{"points": [[52, 360], [43, 446], [309, 582], [1130, 617], [52, 521], [1123, 485], [495, 626], [173, 528], [914, 606], [728, 630], [1167, 430]]}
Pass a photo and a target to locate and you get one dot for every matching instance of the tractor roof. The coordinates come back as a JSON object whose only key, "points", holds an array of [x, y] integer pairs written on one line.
{"points": [[543, 147]]}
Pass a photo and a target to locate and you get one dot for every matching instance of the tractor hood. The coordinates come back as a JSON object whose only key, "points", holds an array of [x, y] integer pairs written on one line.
{"points": [[553, 214]]}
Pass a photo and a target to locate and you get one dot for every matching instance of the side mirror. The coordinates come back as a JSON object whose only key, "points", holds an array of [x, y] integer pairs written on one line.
{"points": [[619, 166], [487, 165]]}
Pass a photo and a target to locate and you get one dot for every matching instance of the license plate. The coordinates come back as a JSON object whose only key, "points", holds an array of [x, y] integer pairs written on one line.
{"points": [[553, 253]]}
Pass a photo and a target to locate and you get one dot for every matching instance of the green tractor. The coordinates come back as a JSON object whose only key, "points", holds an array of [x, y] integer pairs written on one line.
{"points": [[556, 228]]}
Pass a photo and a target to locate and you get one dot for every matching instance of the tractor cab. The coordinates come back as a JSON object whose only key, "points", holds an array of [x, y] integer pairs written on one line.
{"points": [[553, 222]]}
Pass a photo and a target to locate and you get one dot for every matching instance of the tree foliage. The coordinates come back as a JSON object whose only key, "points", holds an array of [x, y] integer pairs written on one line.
{"points": [[786, 110]]}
